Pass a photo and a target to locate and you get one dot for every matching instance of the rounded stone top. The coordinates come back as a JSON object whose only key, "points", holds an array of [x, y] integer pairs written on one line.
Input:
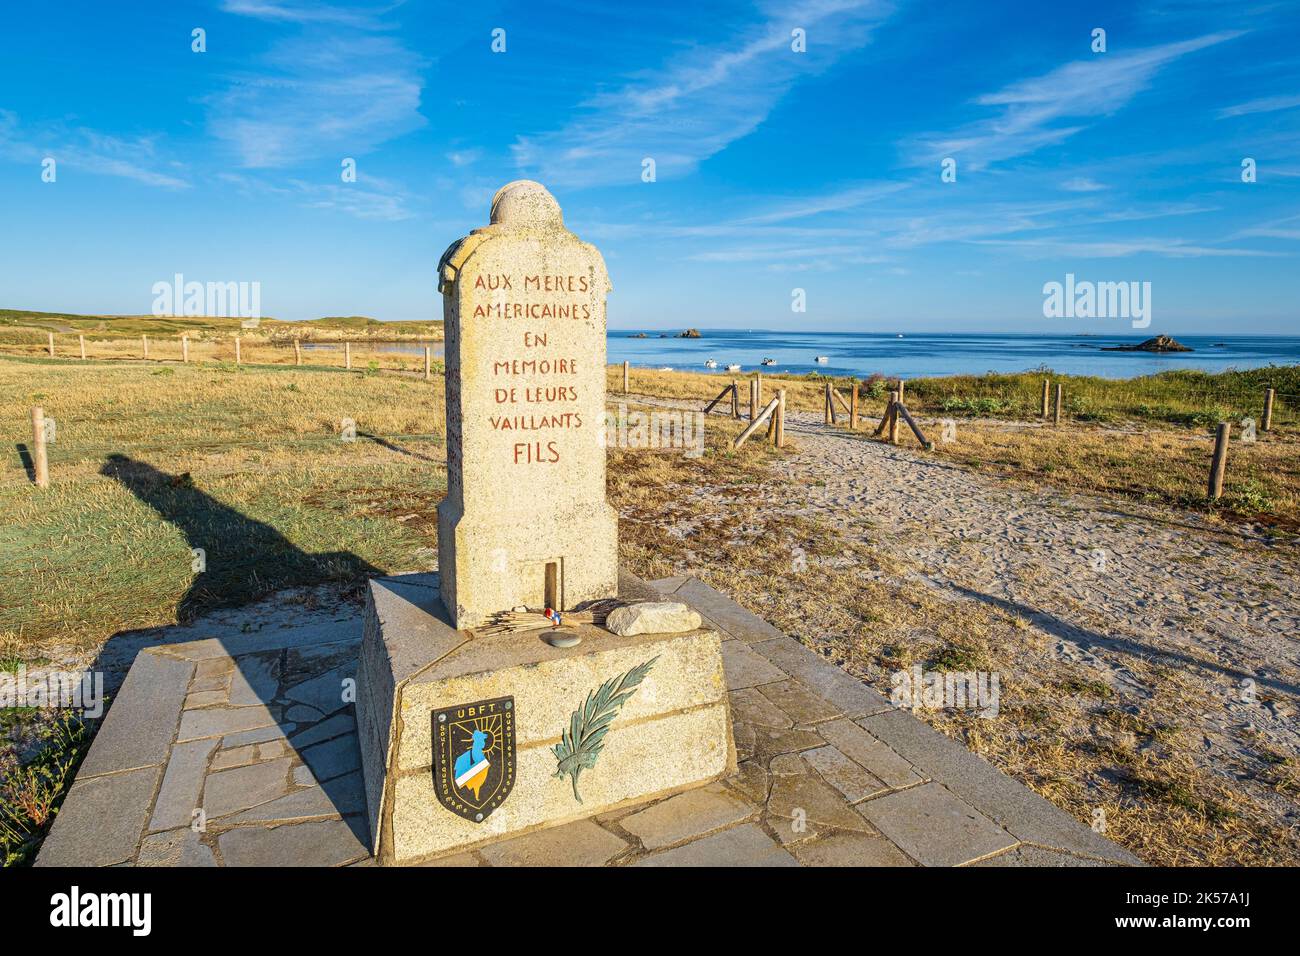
{"points": [[525, 203]]}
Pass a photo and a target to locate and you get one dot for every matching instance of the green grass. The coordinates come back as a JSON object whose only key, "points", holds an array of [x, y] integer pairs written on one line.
{"points": [[1185, 397], [247, 465], [31, 793], [20, 327]]}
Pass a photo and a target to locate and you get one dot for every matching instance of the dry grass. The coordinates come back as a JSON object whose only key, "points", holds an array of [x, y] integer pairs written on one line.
{"points": [[1157, 465]]}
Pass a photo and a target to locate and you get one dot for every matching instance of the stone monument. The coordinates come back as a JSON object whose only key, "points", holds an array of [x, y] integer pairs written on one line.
{"points": [[525, 521], [471, 737]]}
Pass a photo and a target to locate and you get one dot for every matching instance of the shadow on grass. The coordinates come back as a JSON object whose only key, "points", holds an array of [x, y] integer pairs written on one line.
{"points": [[25, 456], [300, 673]]}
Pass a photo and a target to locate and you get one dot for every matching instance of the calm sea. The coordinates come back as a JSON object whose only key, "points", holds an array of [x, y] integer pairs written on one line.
{"points": [[921, 355]]}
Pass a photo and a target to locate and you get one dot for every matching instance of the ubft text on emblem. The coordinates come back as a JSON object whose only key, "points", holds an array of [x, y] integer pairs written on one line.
{"points": [[474, 756]]}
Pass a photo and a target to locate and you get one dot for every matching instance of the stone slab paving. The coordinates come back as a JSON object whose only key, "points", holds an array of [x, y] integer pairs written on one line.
{"points": [[241, 750]]}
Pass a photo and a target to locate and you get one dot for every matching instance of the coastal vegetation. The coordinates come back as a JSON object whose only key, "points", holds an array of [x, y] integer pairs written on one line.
{"points": [[149, 455]]}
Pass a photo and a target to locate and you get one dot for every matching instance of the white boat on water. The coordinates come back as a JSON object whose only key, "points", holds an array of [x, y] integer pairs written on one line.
{"points": [[710, 363], [823, 359], [769, 362], [666, 368], [733, 368]]}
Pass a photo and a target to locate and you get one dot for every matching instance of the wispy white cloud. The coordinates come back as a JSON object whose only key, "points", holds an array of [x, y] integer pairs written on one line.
{"points": [[340, 88], [1047, 110], [361, 15], [370, 197], [1287, 227], [87, 150], [837, 201], [697, 105], [1119, 248], [464, 157], [1265, 104], [1082, 184]]}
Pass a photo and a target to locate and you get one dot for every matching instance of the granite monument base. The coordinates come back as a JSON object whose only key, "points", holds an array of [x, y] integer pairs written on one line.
{"points": [[468, 739]]}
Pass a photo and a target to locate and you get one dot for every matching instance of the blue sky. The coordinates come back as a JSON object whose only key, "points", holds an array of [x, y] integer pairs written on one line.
{"points": [[775, 170]]}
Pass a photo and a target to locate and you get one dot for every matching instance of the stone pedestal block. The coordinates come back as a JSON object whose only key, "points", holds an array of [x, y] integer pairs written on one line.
{"points": [[467, 739]]}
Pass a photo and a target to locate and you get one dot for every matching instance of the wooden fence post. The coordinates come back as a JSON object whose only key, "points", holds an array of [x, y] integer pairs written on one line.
{"points": [[185, 348], [1046, 386], [51, 345], [735, 399], [853, 406], [753, 399], [901, 383], [40, 462], [297, 351], [1220, 460], [1056, 413], [892, 414], [144, 340], [428, 363], [81, 340], [347, 355], [828, 413], [1268, 410], [779, 437], [625, 390]]}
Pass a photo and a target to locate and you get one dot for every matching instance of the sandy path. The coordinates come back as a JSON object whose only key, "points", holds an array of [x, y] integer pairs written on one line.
{"points": [[1214, 602]]}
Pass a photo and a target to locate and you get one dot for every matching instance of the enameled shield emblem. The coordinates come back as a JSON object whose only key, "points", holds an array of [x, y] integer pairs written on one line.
{"points": [[474, 763]]}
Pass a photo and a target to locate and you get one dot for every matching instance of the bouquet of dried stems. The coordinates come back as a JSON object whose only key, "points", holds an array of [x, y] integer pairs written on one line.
{"points": [[512, 622]]}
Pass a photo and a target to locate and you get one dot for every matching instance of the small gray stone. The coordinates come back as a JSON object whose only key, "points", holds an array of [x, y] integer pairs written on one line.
{"points": [[334, 758], [575, 844], [233, 790], [261, 735], [219, 721], [725, 614], [256, 679], [864, 749], [101, 820], [745, 845], [769, 742], [752, 707], [141, 722], [806, 797], [850, 849], [339, 797], [745, 668], [182, 783], [336, 726], [238, 757], [685, 816], [843, 774], [652, 617], [205, 698], [1008, 802], [325, 692], [562, 638], [174, 848], [935, 826], [801, 704], [1038, 856], [751, 780], [318, 843], [272, 749]]}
